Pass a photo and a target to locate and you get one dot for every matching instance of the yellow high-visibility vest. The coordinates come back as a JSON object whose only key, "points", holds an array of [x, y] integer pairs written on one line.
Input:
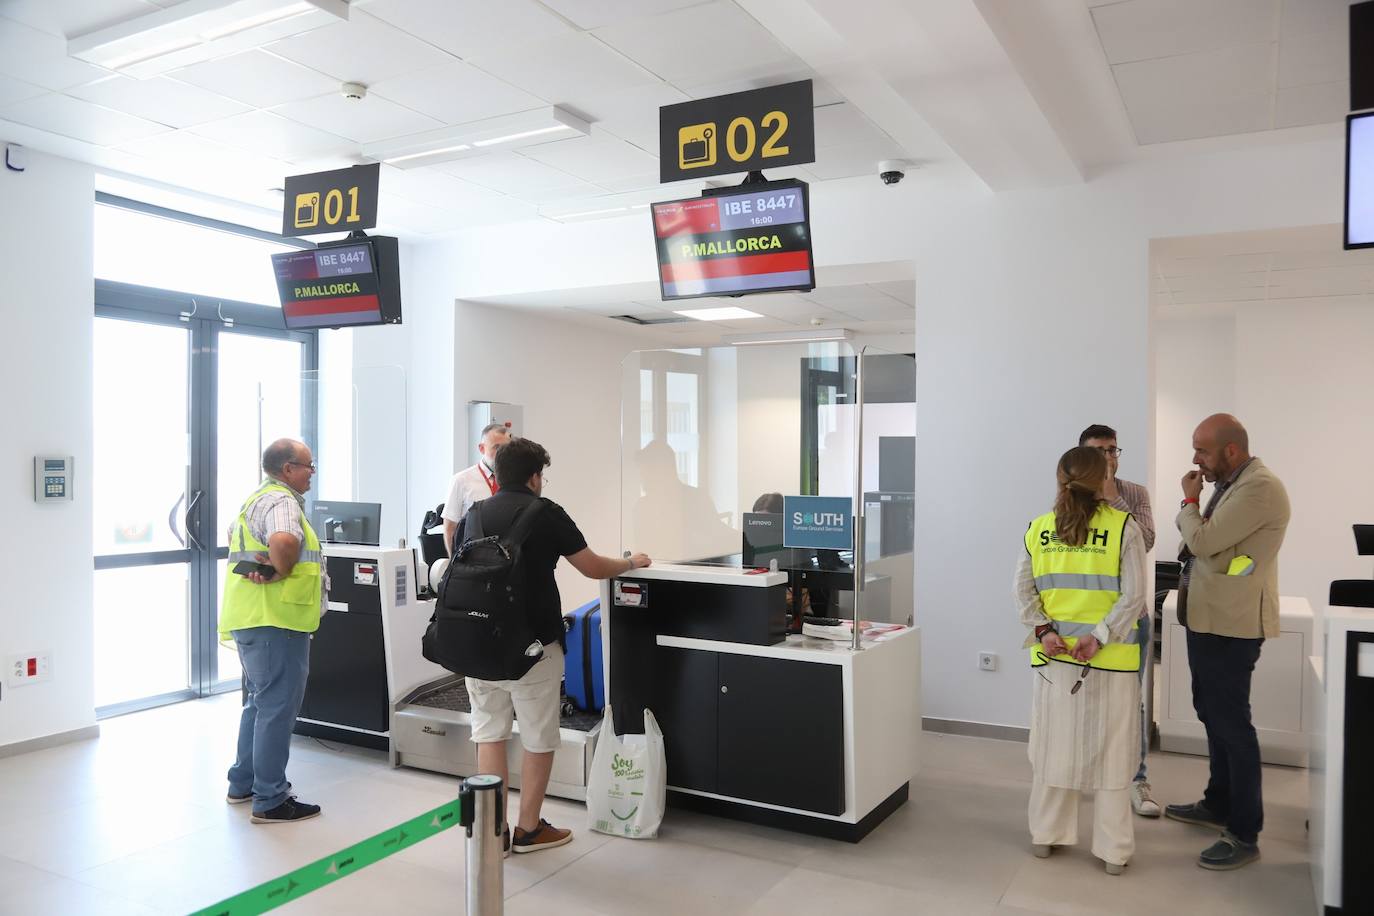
{"points": [[292, 603], [1079, 585]]}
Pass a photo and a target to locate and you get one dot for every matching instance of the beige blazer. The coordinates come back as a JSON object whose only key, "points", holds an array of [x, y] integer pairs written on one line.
{"points": [[1249, 520]]}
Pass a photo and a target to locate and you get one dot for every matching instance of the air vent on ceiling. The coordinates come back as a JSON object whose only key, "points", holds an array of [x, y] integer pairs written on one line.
{"points": [[652, 319]]}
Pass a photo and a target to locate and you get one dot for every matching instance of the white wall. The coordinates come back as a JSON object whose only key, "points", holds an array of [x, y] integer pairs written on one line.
{"points": [[46, 217], [568, 378], [1034, 321]]}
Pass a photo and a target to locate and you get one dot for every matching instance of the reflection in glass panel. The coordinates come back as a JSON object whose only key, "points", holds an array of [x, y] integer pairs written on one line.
{"points": [[646, 406], [259, 402], [138, 476], [142, 622], [147, 250], [683, 432]]}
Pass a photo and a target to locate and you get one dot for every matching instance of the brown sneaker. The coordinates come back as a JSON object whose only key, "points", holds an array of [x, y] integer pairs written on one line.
{"points": [[545, 836]]}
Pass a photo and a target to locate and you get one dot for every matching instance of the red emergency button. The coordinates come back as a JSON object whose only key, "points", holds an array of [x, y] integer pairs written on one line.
{"points": [[33, 667]]}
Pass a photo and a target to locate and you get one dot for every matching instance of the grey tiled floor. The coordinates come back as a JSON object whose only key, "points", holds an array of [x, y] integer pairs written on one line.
{"points": [[135, 823]]}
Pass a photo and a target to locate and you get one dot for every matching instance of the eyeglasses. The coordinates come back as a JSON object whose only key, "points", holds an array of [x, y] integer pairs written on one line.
{"points": [[312, 467], [1109, 450]]}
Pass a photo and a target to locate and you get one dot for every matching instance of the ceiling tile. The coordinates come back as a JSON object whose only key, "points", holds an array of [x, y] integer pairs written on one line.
{"points": [[433, 219], [595, 157], [890, 310], [644, 182], [257, 78], [41, 58], [1323, 57], [574, 66], [60, 114], [363, 120], [593, 14], [185, 154], [12, 90], [471, 27], [425, 186], [1148, 29], [630, 114], [509, 173], [851, 159], [844, 124], [1304, 17], [717, 38], [822, 93], [363, 50], [901, 290], [273, 135], [1207, 94], [74, 17], [456, 93], [159, 99], [1299, 106]]}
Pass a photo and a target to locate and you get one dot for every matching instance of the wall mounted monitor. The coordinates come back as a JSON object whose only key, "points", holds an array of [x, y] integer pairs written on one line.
{"points": [[347, 283], [1359, 181], [748, 239]]}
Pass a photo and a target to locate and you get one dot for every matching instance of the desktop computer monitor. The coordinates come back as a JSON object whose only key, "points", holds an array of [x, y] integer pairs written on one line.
{"points": [[347, 523]]}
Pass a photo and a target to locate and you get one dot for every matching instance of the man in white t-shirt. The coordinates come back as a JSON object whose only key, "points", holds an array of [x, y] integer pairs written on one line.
{"points": [[473, 484]]}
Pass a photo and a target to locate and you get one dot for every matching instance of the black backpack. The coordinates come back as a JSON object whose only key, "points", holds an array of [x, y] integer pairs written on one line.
{"points": [[481, 626]]}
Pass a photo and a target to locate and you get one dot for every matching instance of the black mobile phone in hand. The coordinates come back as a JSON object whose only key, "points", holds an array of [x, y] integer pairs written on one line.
{"points": [[248, 567]]}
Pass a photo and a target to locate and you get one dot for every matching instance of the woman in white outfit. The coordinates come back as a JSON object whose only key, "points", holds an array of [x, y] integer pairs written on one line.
{"points": [[1080, 587]]}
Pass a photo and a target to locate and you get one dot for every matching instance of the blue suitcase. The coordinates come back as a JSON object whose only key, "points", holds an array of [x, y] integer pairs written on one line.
{"points": [[583, 676]]}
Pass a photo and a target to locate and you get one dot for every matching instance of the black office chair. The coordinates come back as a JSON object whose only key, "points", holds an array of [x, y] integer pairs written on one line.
{"points": [[432, 545], [1356, 592]]}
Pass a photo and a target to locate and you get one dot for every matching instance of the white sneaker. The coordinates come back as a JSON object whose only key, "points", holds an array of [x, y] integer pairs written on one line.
{"points": [[1142, 802]]}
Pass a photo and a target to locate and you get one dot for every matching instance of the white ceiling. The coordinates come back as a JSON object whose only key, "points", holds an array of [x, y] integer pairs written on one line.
{"points": [[1222, 273], [872, 299], [1188, 69], [1078, 87]]}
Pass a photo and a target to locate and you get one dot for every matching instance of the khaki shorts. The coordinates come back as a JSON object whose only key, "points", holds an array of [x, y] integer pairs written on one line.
{"points": [[534, 700]]}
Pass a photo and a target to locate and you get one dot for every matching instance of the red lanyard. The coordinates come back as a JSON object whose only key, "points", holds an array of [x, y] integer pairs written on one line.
{"points": [[491, 481]]}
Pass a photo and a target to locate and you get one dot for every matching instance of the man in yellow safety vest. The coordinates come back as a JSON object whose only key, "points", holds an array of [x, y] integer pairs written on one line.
{"points": [[274, 596]]}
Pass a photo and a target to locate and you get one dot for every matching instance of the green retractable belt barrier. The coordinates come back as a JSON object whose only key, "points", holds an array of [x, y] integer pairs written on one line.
{"points": [[296, 884]]}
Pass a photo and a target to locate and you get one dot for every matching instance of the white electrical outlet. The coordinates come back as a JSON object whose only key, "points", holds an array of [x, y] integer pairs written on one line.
{"points": [[987, 661], [23, 670]]}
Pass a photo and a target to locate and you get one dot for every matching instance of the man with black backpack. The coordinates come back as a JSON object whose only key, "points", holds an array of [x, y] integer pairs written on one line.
{"points": [[499, 622]]}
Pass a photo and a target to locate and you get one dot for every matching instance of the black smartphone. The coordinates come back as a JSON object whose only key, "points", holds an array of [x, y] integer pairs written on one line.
{"points": [[247, 567]]}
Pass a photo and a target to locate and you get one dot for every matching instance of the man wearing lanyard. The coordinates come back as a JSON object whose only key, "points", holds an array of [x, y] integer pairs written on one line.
{"points": [[474, 484]]}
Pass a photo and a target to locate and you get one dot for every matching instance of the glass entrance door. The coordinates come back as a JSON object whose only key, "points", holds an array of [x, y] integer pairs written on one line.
{"points": [[183, 409]]}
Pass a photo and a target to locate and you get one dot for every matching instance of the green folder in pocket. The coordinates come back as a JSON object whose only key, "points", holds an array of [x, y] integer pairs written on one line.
{"points": [[1241, 566]]}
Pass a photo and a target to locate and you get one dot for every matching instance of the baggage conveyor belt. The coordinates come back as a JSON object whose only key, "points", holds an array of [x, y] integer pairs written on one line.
{"points": [[431, 730]]}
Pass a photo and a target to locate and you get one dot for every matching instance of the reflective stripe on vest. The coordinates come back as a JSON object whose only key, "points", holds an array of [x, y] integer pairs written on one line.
{"points": [[292, 603], [1079, 585]]}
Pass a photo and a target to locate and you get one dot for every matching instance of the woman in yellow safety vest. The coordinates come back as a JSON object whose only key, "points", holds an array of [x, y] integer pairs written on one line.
{"points": [[1080, 587]]}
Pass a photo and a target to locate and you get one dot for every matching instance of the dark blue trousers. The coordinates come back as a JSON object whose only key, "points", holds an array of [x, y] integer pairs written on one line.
{"points": [[1221, 667]]}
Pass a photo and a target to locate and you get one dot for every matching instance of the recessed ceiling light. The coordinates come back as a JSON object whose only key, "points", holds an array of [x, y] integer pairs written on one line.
{"points": [[727, 313]]}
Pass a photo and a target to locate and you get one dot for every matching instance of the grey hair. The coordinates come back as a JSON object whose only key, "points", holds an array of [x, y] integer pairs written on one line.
{"points": [[276, 455], [491, 428]]}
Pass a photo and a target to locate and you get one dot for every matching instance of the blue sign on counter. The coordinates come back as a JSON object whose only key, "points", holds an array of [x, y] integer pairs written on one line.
{"points": [[818, 521]]}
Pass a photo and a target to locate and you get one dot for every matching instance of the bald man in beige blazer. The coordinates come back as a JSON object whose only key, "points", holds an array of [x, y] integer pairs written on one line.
{"points": [[1229, 601]]}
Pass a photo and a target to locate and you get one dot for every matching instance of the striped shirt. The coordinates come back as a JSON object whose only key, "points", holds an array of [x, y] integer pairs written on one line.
{"points": [[1135, 499], [276, 512]]}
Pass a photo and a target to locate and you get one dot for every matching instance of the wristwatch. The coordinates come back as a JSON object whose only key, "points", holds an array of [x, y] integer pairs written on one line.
{"points": [[1190, 499]]}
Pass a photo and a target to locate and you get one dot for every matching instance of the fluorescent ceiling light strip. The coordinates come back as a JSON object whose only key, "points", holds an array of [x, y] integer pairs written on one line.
{"points": [[557, 128], [250, 22], [781, 340], [140, 55], [728, 313], [429, 152]]}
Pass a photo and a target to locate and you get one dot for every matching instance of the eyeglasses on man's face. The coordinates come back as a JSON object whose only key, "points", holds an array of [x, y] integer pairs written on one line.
{"points": [[298, 464], [1111, 451]]}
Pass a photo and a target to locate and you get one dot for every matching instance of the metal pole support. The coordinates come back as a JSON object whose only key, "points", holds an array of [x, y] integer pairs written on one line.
{"points": [[484, 817]]}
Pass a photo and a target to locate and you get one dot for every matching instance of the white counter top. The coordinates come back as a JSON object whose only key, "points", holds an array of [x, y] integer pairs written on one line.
{"points": [[795, 647], [707, 575]]}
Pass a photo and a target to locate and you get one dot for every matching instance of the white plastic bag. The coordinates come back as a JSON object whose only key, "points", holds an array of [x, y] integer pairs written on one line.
{"points": [[627, 788]]}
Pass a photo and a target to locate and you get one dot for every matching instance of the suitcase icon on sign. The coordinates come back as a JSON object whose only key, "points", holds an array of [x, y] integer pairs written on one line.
{"points": [[307, 210], [696, 146]]}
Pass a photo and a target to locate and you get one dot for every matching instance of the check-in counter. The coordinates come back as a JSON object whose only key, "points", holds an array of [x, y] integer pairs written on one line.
{"points": [[787, 730]]}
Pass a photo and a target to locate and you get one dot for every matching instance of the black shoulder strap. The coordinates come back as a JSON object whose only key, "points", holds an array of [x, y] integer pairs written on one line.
{"points": [[524, 523]]}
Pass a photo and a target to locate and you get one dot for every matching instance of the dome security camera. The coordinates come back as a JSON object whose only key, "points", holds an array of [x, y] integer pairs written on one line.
{"points": [[891, 171]]}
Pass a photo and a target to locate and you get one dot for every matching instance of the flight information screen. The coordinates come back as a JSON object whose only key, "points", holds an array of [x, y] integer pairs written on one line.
{"points": [[746, 241], [328, 287], [1359, 181]]}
